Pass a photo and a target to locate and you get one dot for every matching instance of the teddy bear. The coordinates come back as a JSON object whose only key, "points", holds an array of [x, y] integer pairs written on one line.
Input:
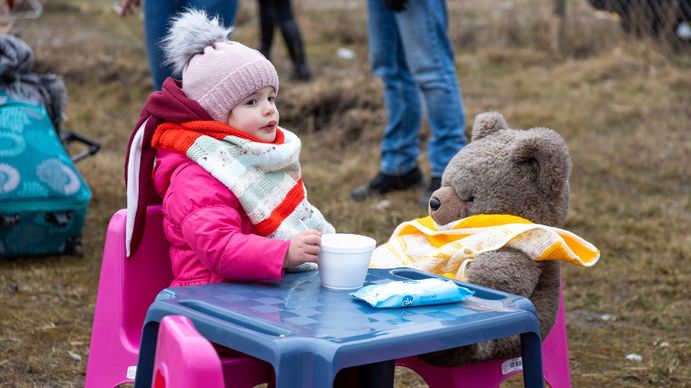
{"points": [[496, 221], [523, 173]]}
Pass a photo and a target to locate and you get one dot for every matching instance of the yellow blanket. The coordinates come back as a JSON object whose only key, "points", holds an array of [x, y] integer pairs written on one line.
{"points": [[447, 250]]}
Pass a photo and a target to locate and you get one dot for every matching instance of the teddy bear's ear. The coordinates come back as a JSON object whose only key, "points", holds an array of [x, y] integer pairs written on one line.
{"points": [[486, 123], [547, 151]]}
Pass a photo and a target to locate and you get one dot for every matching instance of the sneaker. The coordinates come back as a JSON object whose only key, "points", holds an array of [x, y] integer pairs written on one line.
{"points": [[384, 183], [434, 185]]}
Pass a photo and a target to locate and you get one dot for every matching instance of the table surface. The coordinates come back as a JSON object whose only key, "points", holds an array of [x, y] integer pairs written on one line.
{"points": [[295, 320]]}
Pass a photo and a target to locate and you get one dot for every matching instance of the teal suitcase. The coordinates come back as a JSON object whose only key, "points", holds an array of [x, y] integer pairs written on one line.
{"points": [[43, 198]]}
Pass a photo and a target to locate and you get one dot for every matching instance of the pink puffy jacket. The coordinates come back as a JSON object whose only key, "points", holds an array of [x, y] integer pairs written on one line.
{"points": [[211, 237]]}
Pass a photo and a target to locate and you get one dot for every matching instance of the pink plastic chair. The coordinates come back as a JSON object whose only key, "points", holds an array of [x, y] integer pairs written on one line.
{"points": [[555, 363], [181, 347], [127, 286], [185, 359]]}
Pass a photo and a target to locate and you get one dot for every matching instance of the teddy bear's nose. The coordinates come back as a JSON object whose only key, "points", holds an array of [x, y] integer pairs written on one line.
{"points": [[434, 203]]}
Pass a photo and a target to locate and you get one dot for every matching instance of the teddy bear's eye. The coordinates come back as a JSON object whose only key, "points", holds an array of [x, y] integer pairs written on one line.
{"points": [[468, 198]]}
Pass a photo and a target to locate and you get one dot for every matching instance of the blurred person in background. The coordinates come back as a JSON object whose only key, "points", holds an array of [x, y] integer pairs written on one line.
{"points": [[410, 50], [5, 18], [279, 12], [157, 16]]}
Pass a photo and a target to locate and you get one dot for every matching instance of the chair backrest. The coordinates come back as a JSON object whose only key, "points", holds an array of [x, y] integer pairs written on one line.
{"points": [[184, 358], [145, 273], [127, 286], [555, 363]]}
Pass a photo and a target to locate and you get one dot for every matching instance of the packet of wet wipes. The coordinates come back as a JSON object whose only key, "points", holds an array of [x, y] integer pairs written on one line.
{"points": [[409, 293]]}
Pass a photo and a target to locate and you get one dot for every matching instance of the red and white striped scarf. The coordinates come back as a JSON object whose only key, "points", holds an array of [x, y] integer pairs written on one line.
{"points": [[265, 177]]}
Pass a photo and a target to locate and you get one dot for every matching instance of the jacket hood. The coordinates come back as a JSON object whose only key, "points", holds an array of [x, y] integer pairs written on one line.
{"points": [[169, 105]]}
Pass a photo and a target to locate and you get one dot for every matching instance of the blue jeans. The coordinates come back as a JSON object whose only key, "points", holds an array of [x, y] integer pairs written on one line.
{"points": [[411, 52], [157, 17]]}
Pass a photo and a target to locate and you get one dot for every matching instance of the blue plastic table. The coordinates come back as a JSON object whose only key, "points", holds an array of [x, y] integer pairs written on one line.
{"points": [[308, 333]]}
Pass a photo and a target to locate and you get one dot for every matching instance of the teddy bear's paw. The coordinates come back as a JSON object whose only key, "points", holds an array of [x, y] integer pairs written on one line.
{"points": [[460, 356], [484, 350], [447, 358]]}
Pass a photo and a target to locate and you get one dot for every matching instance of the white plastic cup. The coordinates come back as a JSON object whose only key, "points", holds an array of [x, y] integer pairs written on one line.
{"points": [[344, 259]]}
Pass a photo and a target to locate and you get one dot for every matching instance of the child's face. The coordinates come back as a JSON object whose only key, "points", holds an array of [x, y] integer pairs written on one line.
{"points": [[257, 114]]}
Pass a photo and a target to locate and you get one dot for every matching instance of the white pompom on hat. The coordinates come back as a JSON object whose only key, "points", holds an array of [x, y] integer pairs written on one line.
{"points": [[216, 72]]}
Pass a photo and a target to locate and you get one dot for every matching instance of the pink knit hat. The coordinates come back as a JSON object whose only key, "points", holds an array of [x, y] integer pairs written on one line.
{"points": [[216, 72], [224, 74]]}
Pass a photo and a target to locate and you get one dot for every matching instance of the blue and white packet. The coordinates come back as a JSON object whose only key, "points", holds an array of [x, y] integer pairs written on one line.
{"points": [[408, 293]]}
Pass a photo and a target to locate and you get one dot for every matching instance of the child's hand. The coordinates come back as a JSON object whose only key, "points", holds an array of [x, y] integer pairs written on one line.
{"points": [[126, 7], [303, 247]]}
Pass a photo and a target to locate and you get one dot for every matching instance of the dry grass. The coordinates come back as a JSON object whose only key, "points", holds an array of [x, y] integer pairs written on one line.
{"points": [[622, 106]]}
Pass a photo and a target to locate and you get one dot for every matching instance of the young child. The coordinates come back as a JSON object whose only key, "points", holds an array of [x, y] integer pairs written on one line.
{"points": [[234, 204]]}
